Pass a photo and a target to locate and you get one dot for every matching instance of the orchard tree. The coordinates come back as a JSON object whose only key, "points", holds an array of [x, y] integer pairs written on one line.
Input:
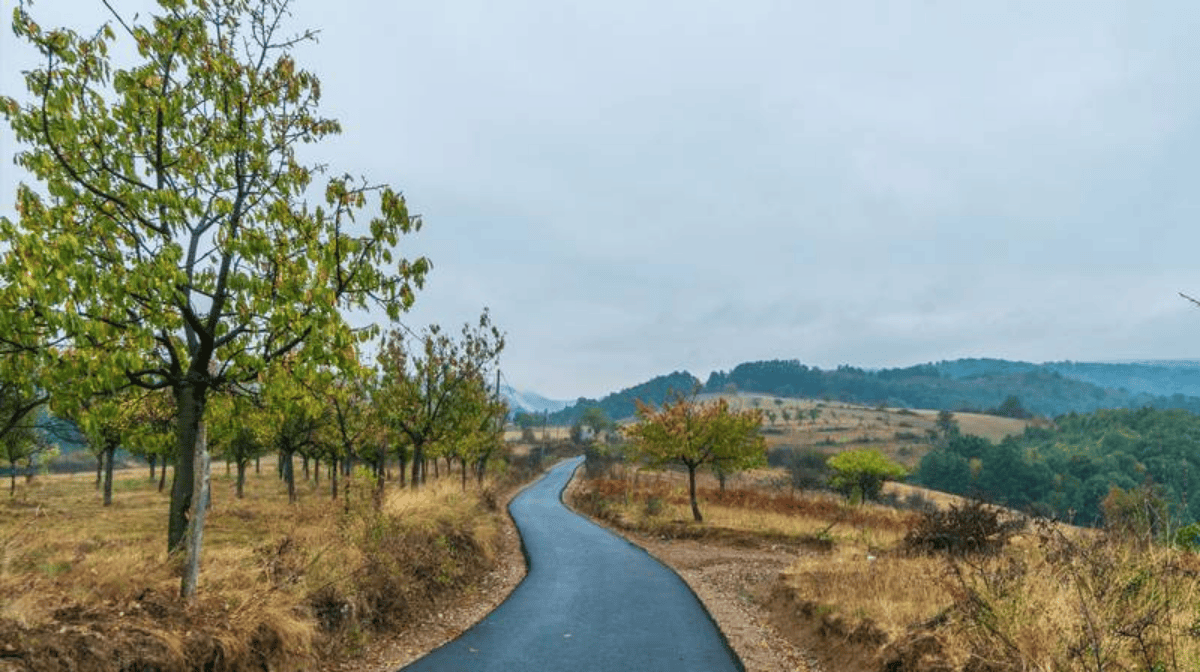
{"points": [[427, 388], [238, 431], [698, 435], [172, 238]]}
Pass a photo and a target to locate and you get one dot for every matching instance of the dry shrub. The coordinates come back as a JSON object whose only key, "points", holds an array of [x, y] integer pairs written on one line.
{"points": [[970, 528], [1079, 601]]}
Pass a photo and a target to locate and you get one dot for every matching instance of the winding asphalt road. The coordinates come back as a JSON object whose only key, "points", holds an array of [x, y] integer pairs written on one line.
{"points": [[591, 601]]}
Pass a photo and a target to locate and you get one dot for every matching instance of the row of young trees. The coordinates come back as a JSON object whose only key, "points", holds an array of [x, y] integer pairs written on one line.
{"points": [[175, 248]]}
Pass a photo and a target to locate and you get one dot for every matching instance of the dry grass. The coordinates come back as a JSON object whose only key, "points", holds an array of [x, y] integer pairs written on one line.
{"points": [[1054, 598], [277, 581]]}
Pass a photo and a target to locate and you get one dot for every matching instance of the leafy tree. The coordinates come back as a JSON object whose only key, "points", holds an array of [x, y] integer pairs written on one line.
{"points": [[595, 419], [946, 424], [19, 443], [863, 472], [697, 435], [1012, 408], [426, 391], [238, 432], [175, 243], [106, 422]]}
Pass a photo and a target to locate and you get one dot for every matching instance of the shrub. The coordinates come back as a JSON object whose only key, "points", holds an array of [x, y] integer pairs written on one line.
{"points": [[861, 473], [973, 528]]}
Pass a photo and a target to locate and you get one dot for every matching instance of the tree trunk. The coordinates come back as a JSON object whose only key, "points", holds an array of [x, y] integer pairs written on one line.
{"points": [[241, 479], [289, 475], [304, 465], [317, 472], [99, 469], [333, 476], [12, 478], [190, 399], [692, 492], [464, 474], [195, 531], [153, 459], [380, 458], [436, 473], [110, 451], [257, 466], [403, 465], [418, 457], [162, 476]]}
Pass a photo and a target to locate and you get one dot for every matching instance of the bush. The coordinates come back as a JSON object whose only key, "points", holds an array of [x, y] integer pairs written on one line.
{"points": [[973, 528], [806, 467], [861, 473]]}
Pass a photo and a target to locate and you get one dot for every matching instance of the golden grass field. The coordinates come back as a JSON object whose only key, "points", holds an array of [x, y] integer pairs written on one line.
{"points": [[281, 584], [1054, 598]]}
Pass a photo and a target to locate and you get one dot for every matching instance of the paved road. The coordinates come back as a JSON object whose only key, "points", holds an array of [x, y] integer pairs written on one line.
{"points": [[591, 601]]}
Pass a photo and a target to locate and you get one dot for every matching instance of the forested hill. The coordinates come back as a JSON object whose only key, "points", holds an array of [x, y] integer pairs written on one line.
{"points": [[1069, 470], [1049, 389], [978, 384], [621, 404]]}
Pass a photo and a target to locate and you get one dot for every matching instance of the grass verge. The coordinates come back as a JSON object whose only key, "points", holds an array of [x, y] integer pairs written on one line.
{"points": [[283, 587]]}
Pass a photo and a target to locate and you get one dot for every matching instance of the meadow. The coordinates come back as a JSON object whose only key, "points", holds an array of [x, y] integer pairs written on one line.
{"points": [[283, 586]]}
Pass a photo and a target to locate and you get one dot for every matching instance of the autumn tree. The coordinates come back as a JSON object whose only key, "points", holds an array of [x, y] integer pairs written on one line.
{"points": [[426, 386], [172, 238], [697, 435]]}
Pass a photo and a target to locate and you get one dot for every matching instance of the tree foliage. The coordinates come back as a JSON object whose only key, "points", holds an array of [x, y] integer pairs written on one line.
{"points": [[172, 237], [861, 473], [433, 389], [696, 435], [1069, 470]]}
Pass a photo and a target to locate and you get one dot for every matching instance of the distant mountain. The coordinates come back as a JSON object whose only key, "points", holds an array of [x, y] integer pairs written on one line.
{"points": [[529, 402]]}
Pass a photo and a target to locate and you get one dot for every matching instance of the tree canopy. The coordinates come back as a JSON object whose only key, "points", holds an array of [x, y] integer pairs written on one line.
{"points": [[697, 435], [172, 238]]}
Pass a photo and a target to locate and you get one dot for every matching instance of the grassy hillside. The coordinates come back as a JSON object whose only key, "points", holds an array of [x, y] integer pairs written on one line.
{"points": [[87, 587], [875, 588]]}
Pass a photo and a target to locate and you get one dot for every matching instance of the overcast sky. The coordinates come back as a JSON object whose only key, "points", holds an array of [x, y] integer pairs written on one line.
{"points": [[639, 187]]}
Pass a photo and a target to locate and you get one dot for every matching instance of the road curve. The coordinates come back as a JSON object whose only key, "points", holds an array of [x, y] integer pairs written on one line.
{"points": [[591, 601]]}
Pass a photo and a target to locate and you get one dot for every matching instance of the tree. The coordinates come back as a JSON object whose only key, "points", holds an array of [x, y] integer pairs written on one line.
{"points": [[106, 422], [697, 435], [238, 433], [947, 425], [595, 419], [174, 241], [863, 472], [423, 390], [20, 441]]}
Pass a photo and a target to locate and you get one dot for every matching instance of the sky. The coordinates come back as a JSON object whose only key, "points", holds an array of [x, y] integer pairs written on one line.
{"points": [[635, 188]]}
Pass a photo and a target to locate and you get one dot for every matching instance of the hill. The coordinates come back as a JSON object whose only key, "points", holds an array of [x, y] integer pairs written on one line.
{"points": [[968, 385], [620, 405]]}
